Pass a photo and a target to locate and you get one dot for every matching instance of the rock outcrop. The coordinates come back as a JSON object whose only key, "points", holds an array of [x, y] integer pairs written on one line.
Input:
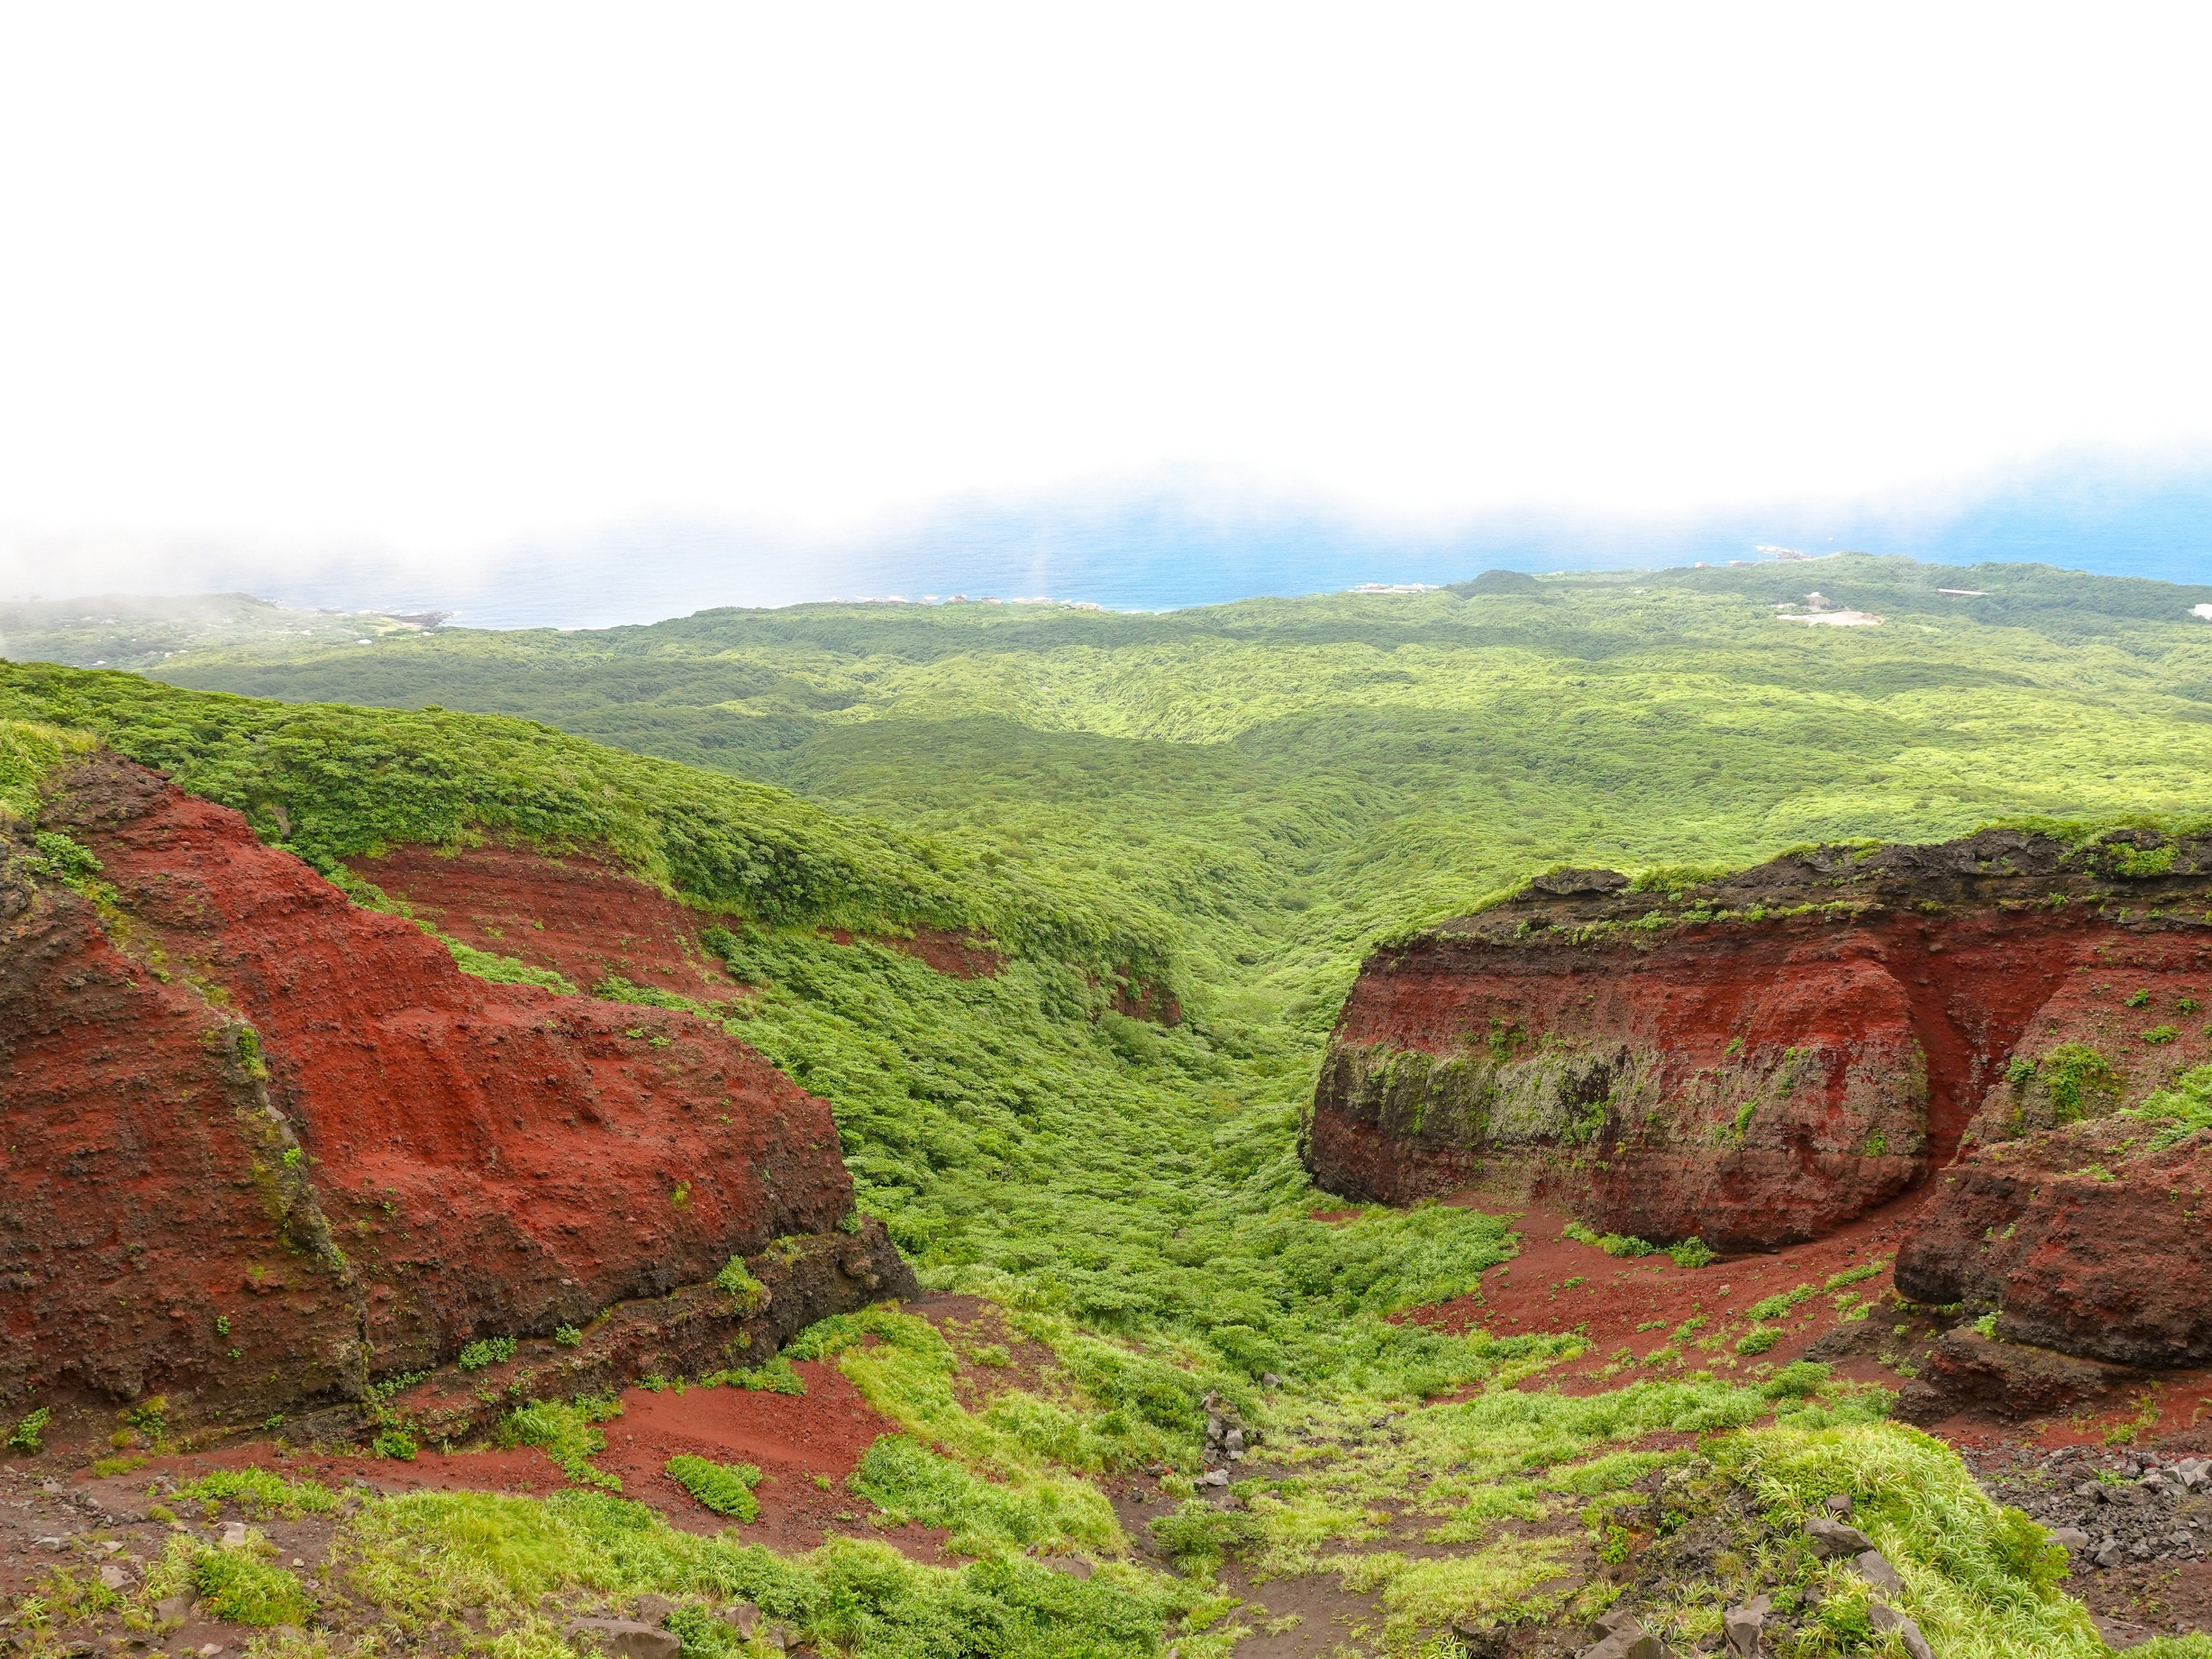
{"points": [[2079, 1239], [1759, 1059], [262, 1146]]}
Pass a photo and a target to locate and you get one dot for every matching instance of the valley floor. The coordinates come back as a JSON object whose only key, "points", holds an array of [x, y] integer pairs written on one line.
{"points": [[67, 1532]]}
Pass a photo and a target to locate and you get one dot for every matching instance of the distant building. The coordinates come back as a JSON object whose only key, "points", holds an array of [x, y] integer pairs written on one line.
{"points": [[2203, 610], [1962, 592]]}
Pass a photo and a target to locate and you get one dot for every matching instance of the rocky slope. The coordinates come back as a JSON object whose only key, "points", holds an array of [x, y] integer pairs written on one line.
{"points": [[2081, 1239], [1757, 1059], [263, 1146], [588, 919]]}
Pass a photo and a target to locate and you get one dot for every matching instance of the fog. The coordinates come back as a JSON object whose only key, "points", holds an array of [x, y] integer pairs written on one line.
{"points": [[709, 304]]}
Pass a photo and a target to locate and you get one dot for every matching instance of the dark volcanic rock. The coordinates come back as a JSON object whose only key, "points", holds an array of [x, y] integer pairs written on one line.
{"points": [[1967, 1371]]}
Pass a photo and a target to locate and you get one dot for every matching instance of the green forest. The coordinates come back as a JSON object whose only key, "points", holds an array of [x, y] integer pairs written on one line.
{"points": [[1233, 805], [1286, 779]]}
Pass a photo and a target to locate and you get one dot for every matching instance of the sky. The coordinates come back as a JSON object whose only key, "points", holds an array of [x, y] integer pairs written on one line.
{"points": [[455, 300]]}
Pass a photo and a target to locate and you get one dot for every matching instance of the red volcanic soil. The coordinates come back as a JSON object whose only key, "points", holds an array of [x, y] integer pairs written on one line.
{"points": [[588, 918], [276, 1144], [1635, 1304], [584, 916], [2083, 1247], [791, 1439], [955, 955], [798, 1441]]}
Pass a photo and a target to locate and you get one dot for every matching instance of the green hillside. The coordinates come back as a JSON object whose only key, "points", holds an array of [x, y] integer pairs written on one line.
{"points": [[1288, 778], [125, 630], [1236, 802]]}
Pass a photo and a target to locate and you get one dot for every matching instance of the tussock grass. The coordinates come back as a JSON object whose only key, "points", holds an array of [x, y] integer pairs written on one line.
{"points": [[261, 1491], [428, 1556], [725, 1488]]}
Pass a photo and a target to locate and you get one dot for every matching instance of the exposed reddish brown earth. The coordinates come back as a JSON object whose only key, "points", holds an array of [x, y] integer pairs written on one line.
{"points": [[582, 915], [1972, 1392], [2081, 1246], [1138, 998], [265, 1146], [1634, 1307], [806, 1447], [954, 954], [589, 919], [1760, 1061]]}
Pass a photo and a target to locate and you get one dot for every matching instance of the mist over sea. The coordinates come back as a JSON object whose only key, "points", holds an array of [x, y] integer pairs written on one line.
{"points": [[1163, 552]]}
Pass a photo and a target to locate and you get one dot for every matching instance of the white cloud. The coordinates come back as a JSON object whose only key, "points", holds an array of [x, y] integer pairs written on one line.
{"points": [[436, 281]]}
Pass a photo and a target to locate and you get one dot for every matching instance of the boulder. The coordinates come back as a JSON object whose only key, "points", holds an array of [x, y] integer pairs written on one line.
{"points": [[1886, 1618], [1740, 1627], [625, 1638], [1619, 1635], [2084, 1242], [1875, 1567], [1830, 1537], [1968, 1371], [741, 1617]]}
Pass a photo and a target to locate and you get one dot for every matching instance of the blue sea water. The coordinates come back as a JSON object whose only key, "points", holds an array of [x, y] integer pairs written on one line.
{"points": [[1162, 552]]}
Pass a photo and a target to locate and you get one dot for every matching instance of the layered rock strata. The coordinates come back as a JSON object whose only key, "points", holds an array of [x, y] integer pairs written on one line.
{"points": [[2081, 1239], [1759, 1059]]}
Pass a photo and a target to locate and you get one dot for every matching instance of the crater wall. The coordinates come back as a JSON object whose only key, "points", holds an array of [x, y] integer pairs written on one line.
{"points": [[265, 1146], [1759, 1059]]}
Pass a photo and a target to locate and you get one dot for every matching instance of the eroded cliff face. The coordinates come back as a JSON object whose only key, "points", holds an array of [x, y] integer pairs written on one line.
{"points": [[1759, 1059], [2079, 1239], [590, 919], [263, 1145]]}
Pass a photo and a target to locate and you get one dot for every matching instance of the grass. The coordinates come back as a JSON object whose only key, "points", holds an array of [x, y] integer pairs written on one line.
{"points": [[725, 1488], [239, 1583], [567, 1432], [1232, 805], [28, 750], [2179, 1111], [488, 1351], [259, 1492], [426, 1558]]}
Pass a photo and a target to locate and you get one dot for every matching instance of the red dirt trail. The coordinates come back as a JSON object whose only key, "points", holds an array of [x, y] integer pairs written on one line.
{"points": [[791, 1438]]}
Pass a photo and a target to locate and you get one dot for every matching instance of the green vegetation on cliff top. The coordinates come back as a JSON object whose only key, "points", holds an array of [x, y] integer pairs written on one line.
{"points": [[1235, 802]]}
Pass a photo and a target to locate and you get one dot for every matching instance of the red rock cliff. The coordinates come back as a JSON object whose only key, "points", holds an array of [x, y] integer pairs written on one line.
{"points": [[264, 1146], [1759, 1059]]}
